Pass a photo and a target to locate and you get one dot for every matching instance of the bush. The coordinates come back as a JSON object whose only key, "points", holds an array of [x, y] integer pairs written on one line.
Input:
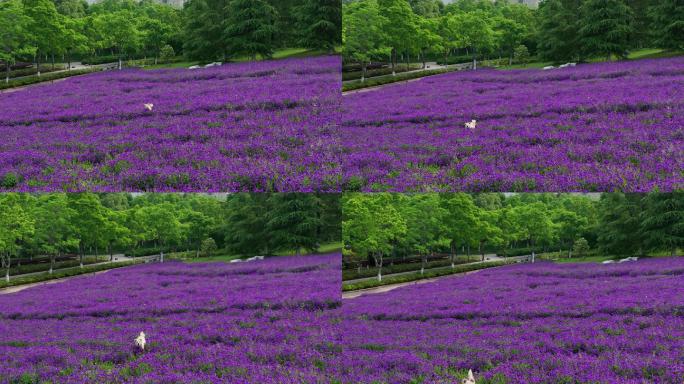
{"points": [[581, 247], [167, 53], [47, 77], [428, 274], [100, 60], [372, 82], [346, 76], [521, 55], [208, 246]]}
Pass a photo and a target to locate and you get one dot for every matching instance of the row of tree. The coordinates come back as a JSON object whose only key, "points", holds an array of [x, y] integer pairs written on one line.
{"points": [[222, 28], [203, 29], [559, 30], [576, 30], [85, 223], [384, 224]]}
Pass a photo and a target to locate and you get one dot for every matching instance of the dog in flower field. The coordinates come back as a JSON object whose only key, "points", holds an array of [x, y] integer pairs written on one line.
{"points": [[149, 106], [470, 379], [140, 341], [471, 124]]}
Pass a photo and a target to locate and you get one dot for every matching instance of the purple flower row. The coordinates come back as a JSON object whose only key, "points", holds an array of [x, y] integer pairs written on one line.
{"points": [[266, 126], [594, 127]]}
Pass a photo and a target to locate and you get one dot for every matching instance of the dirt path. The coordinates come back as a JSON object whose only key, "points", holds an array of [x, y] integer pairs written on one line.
{"points": [[19, 288], [390, 287]]}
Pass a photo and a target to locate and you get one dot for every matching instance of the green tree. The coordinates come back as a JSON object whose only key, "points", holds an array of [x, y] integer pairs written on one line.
{"points": [[45, 27], [558, 39], [363, 32], [668, 23], [662, 221], [293, 221], [14, 34], [400, 29], [250, 28], [16, 225], [619, 228], [461, 221], [581, 247], [320, 23], [204, 22], [55, 230], [605, 28]]}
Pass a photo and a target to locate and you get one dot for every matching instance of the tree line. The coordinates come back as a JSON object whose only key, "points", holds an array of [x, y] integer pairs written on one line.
{"points": [[38, 30], [58, 224], [559, 30], [382, 225]]}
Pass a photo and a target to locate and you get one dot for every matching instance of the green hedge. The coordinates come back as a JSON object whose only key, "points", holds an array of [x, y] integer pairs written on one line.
{"points": [[427, 275], [65, 273], [44, 68], [42, 267], [373, 82], [355, 75], [352, 274], [100, 60], [44, 78]]}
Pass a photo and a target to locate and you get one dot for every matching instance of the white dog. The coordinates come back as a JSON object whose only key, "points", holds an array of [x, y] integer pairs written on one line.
{"points": [[471, 125], [149, 106], [140, 341], [470, 379]]}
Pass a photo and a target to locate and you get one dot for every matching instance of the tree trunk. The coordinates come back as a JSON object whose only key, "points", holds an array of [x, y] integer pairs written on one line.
{"points": [[161, 257], [53, 61], [155, 59], [52, 263], [393, 56], [363, 71], [38, 64], [474, 58], [378, 262], [7, 72], [7, 266], [69, 60]]}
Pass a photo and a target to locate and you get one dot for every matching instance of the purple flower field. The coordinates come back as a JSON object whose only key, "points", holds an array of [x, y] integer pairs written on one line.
{"points": [[541, 323], [260, 322], [265, 126], [594, 127]]}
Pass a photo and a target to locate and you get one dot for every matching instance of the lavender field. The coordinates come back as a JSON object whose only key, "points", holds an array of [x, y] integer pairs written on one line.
{"points": [[259, 322], [264, 126], [541, 323], [594, 127]]}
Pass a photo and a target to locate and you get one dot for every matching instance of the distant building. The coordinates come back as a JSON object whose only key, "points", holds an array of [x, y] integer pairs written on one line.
{"points": [[173, 3]]}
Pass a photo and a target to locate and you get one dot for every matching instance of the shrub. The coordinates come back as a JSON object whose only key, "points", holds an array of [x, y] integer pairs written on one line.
{"points": [[208, 246], [166, 53], [521, 54], [581, 247]]}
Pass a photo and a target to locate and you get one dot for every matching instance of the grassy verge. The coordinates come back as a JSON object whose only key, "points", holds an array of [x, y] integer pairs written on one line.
{"points": [[323, 249], [43, 78], [374, 82], [427, 275], [60, 274], [284, 53], [646, 53]]}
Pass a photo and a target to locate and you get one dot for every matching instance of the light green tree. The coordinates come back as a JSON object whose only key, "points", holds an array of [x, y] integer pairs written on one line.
{"points": [[363, 35]]}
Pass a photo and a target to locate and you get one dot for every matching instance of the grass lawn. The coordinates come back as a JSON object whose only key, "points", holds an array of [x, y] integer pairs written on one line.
{"points": [[324, 248], [646, 53], [283, 53]]}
